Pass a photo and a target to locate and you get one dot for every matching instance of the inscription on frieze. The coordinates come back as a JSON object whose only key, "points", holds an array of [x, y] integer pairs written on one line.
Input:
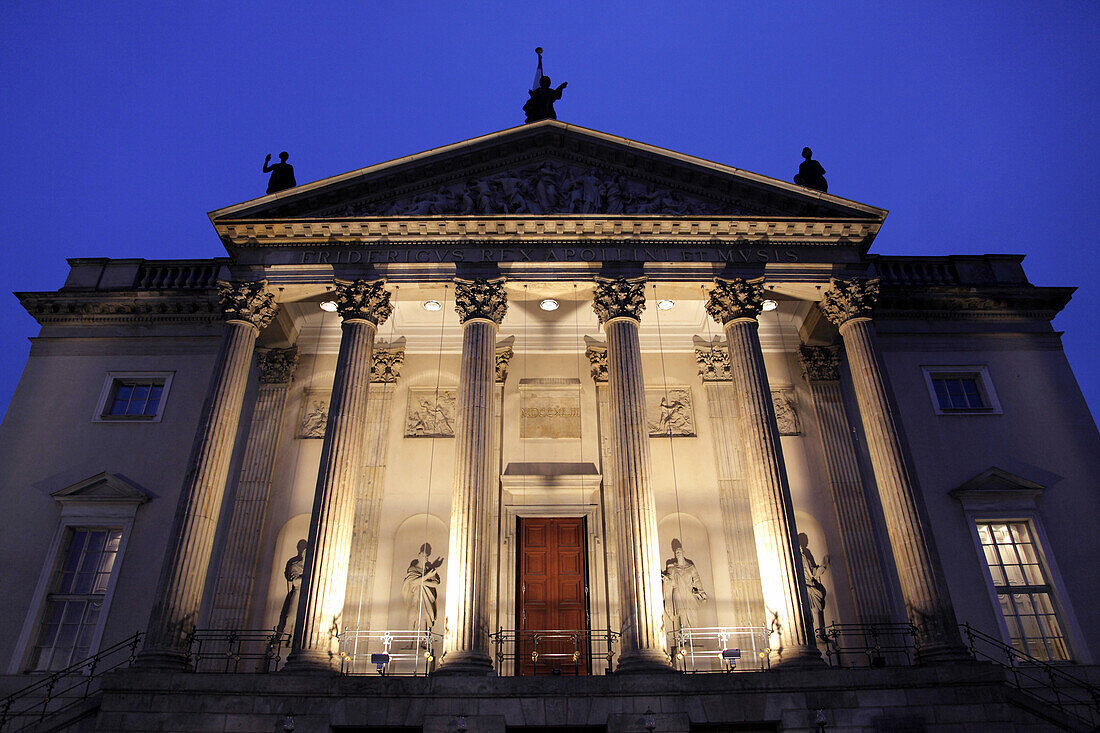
{"points": [[550, 408]]}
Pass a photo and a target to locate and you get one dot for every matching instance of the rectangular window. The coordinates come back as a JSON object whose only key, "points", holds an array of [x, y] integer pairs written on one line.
{"points": [[1023, 588], [73, 606], [961, 390], [133, 396]]}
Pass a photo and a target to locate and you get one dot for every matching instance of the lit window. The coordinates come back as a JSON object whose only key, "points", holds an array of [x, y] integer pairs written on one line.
{"points": [[131, 396], [1023, 588], [961, 390], [70, 619]]}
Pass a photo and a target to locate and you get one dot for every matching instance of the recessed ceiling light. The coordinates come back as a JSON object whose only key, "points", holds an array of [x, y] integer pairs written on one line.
{"points": [[432, 305], [328, 305], [549, 304], [665, 304], [769, 305]]}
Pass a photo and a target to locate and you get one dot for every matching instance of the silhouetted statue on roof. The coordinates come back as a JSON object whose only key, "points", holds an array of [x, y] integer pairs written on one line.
{"points": [[282, 173], [810, 173], [541, 104]]}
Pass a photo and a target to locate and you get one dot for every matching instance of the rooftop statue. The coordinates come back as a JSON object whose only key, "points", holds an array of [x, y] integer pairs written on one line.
{"points": [[810, 173], [540, 106], [282, 173]]}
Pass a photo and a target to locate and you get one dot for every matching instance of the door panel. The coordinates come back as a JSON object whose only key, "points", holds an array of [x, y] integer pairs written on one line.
{"points": [[551, 595]]}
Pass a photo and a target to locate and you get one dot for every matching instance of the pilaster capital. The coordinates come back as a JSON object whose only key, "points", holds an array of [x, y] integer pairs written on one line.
{"points": [[386, 361], [277, 365], [713, 361], [820, 363], [620, 297], [597, 359], [503, 359], [367, 300], [735, 298], [848, 299], [481, 298], [247, 301]]}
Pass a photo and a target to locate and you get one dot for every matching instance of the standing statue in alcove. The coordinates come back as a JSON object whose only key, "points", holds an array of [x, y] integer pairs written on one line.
{"points": [[282, 173], [421, 589], [541, 104], [810, 173], [295, 566], [814, 587], [682, 589]]}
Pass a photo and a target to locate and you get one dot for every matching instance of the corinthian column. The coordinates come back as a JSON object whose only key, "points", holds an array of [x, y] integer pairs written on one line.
{"points": [[848, 305], [821, 365], [736, 304], [619, 304], [363, 305], [248, 309], [481, 305], [238, 562]]}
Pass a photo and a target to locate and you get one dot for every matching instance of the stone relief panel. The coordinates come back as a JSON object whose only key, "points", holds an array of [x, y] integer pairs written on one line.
{"points": [[430, 414], [669, 412], [786, 411], [549, 412], [546, 188], [314, 415]]}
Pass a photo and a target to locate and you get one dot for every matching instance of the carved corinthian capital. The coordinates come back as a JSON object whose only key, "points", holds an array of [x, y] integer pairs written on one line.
{"points": [[620, 297], [481, 299], [848, 299], [504, 358], [735, 298], [386, 361], [366, 300], [597, 360], [277, 365], [713, 361], [820, 363], [247, 301]]}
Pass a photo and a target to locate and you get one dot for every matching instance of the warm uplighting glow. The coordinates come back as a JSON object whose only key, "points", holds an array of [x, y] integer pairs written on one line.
{"points": [[665, 304], [431, 305], [769, 305], [329, 306], [549, 304]]}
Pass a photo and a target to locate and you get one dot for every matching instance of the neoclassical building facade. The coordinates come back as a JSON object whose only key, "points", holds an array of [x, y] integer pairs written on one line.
{"points": [[440, 435]]}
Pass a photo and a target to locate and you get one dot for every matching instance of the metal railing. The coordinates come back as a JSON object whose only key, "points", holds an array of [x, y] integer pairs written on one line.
{"points": [[1050, 683], [870, 645], [719, 649], [554, 651], [64, 690], [236, 652], [406, 652]]}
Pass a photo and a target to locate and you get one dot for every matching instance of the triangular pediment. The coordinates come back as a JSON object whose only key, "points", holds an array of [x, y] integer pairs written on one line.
{"points": [[103, 487], [548, 168], [998, 487]]}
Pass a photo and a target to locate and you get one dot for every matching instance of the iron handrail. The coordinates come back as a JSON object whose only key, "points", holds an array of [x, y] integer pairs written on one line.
{"points": [[408, 652], [235, 651], [719, 649], [587, 647], [878, 645], [52, 689], [1071, 695]]}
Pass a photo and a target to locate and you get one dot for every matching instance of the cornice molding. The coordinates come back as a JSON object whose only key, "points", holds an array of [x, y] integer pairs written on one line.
{"points": [[122, 307]]}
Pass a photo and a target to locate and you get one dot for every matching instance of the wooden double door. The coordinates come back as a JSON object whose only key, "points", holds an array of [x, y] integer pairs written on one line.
{"points": [[552, 596]]}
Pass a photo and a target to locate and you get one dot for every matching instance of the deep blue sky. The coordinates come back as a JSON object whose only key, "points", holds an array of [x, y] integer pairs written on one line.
{"points": [[124, 123]]}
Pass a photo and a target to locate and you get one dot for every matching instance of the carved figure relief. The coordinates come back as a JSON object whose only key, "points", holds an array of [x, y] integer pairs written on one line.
{"points": [[314, 417], [669, 412], [430, 415], [295, 567], [682, 589], [814, 587], [549, 187], [786, 415], [421, 589]]}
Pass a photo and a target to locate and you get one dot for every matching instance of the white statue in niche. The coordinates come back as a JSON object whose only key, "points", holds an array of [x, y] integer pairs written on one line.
{"points": [[683, 590], [314, 419], [293, 571], [421, 589], [814, 587]]}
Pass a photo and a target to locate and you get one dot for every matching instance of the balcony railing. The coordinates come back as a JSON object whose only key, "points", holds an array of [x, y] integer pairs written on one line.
{"points": [[403, 652], [247, 651], [719, 649], [870, 645], [554, 651]]}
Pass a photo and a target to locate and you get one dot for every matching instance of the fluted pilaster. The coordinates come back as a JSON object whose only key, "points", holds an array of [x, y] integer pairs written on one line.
{"points": [[619, 304], [238, 561], [481, 305], [861, 557], [248, 309], [735, 304], [363, 305], [848, 304]]}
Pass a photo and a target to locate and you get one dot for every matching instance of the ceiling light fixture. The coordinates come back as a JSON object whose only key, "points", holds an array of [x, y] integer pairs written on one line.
{"points": [[549, 304], [328, 306], [665, 304], [432, 305], [769, 305]]}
